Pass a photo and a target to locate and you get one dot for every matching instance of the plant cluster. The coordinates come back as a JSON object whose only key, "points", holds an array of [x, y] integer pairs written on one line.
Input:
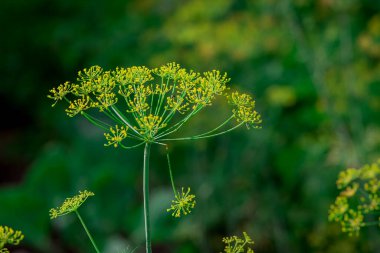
{"points": [[146, 105], [358, 203], [9, 236], [138, 106], [235, 244]]}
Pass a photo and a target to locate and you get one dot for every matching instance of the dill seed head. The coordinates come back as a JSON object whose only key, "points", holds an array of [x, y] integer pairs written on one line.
{"points": [[70, 204]]}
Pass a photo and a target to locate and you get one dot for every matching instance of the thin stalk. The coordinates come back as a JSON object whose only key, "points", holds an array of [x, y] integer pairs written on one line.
{"points": [[162, 98], [173, 111], [131, 147], [171, 173], [146, 198], [178, 125], [124, 120], [159, 97], [203, 136], [96, 121], [88, 232], [218, 127]]}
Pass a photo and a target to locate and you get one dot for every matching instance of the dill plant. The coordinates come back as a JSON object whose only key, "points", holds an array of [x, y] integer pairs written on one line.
{"points": [[142, 107], [358, 203]]}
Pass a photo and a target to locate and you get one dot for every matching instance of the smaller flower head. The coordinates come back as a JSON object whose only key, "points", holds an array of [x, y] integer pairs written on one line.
{"points": [[89, 74], [70, 204], [338, 209], [235, 244], [350, 190], [353, 222], [78, 105], [60, 92], [150, 125], [9, 236], [244, 109], [116, 135], [370, 171], [182, 204], [372, 186], [346, 177]]}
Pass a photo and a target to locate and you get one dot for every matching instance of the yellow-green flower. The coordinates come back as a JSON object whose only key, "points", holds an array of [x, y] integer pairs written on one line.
{"points": [[358, 198], [149, 125], [338, 209], [116, 135], [78, 106], [70, 204], [347, 176], [353, 222], [350, 190], [9, 236], [244, 109], [60, 92], [182, 204], [235, 244], [153, 103]]}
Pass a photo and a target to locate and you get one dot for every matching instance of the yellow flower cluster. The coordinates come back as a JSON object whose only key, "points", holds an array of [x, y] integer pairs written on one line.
{"points": [[235, 244], [358, 198], [182, 204], [116, 135], [70, 204], [244, 109], [150, 125], [9, 236], [146, 100]]}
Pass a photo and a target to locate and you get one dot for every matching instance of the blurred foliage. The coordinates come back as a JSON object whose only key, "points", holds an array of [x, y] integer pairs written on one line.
{"points": [[314, 67]]}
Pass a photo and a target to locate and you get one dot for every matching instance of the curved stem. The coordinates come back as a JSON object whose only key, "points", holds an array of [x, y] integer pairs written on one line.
{"points": [[201, 136], [170, 172], [146, 197], [96, 121], [131, 147], [218, 127], [178, 125], [120, 115], [87, 231]]}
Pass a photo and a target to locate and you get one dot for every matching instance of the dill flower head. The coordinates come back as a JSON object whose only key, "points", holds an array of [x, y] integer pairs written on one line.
{"points": [[116, 135], [70, 204], [182, 204], [149, 104], [358, 202], [244, 109], [352, 222], [235, 244], [9, 236]]}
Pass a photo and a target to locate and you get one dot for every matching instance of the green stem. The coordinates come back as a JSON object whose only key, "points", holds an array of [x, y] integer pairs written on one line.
{"points": [[201, 136], [218, 127], [88, 232], [146, 197], [96, 122], [131, 147], [179, 124], [170, 172], [123, 118]]}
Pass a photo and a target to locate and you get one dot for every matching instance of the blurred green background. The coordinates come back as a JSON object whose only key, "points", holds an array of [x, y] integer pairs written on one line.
{"points": [[313, 67]]}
